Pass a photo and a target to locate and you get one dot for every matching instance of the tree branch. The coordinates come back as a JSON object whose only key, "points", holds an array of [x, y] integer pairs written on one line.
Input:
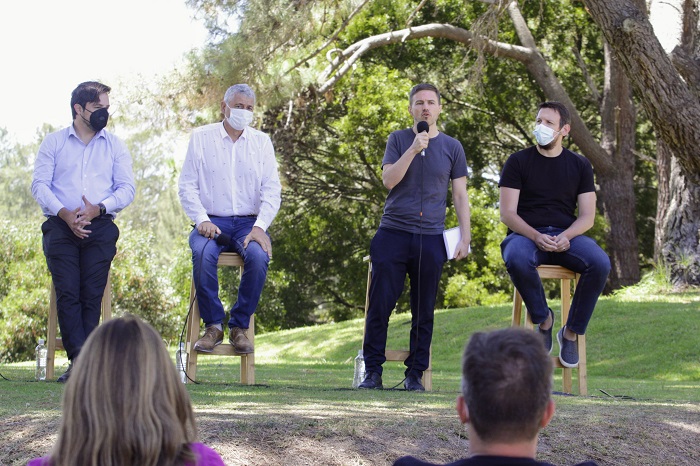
{"points": [[329, 40], [346, 58]]}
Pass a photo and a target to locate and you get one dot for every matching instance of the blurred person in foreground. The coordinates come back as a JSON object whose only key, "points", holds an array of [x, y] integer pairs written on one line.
{"points": [[125, 405], [505, 401]]}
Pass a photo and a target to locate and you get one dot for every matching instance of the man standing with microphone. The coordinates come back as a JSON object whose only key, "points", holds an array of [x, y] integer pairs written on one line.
{"points": [[417, 168], [230, 188]]}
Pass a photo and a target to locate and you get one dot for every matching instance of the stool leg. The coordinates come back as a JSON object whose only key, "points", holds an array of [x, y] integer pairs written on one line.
{"points": [[52, 331], [582, 373], [192, 335], [107, 300], [248, 360], [516, 316], [427, 378], [565, 306]]}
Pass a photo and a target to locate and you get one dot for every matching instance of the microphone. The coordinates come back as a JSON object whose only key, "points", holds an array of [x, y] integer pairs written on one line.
{"points": [[422, 127], [223, 239]]}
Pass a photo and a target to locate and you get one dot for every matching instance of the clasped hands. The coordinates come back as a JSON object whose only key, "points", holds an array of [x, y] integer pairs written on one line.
{"points": [[550, 243], [78, 218]]}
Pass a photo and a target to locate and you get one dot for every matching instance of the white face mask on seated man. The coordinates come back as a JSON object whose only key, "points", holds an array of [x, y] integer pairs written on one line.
{"points": [[544, 134], [240, 118]]}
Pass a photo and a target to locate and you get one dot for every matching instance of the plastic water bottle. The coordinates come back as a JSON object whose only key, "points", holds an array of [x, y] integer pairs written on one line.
{"points": [[41, 352], [180, 361], [359, 370]]}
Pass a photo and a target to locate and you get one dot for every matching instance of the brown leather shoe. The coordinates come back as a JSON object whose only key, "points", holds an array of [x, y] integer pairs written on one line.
{"points": [[212, 337], [240, 341]]}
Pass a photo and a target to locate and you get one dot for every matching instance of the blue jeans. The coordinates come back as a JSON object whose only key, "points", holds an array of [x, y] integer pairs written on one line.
{"points": [[205, 255], [394, 254], [522, 257]]}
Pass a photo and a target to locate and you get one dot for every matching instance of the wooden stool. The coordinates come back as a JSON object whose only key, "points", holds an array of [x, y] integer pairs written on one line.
{"points": [[397, 355], [566, 276], [54, 342], [226, 259]]}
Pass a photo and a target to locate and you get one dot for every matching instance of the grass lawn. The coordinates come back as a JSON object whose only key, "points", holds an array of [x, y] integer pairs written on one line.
{"points": [[642, 408]]}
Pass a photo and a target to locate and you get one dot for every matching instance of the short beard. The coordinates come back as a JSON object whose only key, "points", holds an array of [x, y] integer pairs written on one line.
{"points": [[549, 146]]}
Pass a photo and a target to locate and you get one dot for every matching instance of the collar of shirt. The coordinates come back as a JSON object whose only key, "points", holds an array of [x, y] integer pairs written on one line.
{"points": [[99, 134], [225, 135]]}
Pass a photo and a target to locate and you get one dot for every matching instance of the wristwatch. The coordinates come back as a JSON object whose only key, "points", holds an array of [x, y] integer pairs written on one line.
{"points": [[103, 209]]}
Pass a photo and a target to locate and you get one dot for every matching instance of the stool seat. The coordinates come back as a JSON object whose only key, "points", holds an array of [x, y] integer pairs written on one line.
{"points": [[567, 277], [226, 259], [398, 355], [53, 341]]}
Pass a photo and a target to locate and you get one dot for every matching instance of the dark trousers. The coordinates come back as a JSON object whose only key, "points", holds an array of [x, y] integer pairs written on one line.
{"points": [[394, 254], [79, 270]]}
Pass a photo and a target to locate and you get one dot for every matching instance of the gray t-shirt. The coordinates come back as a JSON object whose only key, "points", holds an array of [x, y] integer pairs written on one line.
{"points": [[426, 182]]}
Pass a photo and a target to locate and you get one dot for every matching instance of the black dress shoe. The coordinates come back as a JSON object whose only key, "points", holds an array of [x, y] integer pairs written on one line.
{"points": [[373, 380], [64, 377], [412, 384]]}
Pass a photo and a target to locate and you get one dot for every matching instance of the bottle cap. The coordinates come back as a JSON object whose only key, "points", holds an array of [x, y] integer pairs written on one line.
{"points": [[41, 341]]}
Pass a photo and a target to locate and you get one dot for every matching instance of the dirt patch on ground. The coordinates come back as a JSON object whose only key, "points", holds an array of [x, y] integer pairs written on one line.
{"points": [[609, 432]]}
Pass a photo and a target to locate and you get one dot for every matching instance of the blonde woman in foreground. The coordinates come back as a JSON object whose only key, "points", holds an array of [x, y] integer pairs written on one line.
{"points": [[125, 405]]}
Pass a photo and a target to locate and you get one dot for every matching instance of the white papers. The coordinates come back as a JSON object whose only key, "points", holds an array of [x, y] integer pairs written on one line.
{"points": [[452, 237]]}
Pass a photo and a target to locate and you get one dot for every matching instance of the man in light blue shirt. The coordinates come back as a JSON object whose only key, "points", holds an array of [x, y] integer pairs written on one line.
{"points": [[82, 178]]}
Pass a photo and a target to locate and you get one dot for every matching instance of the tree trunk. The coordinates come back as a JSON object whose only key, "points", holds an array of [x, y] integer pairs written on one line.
{"points": [[663, 197], [618, 121], [680, 245]]}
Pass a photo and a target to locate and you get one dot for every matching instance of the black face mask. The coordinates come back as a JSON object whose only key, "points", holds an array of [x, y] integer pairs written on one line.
{"points": [[98, 119]]}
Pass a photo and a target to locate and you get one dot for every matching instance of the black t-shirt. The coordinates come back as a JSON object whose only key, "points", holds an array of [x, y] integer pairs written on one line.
{"points": [[549, 186], [426, 181], [484, 461]]}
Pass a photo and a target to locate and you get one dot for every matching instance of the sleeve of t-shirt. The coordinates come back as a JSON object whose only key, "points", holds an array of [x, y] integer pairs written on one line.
{"points": [[510, 175], [587, 185], [393, 152], [459, 168]]}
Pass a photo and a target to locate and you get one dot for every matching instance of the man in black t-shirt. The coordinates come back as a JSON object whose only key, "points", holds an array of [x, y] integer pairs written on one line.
{"points": [[540, 189], [505, 401], [417, 168]]}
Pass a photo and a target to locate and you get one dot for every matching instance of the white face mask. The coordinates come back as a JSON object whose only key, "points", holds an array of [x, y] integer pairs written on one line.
{"points": [[240, 118], [544, 134]]}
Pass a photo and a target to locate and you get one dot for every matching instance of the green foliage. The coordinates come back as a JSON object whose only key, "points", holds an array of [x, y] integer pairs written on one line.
{"points": [[24, 291], [141, 286], [655, 282], [16, 168], [485, 280]]}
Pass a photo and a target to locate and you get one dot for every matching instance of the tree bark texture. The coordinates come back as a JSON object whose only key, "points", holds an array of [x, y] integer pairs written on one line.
{"points": [[681, 226], [663, 197], [618, 121]]}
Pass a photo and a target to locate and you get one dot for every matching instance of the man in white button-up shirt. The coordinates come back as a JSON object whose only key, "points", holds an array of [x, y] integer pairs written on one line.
{"points": [[230, 188], [82, 178]]}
